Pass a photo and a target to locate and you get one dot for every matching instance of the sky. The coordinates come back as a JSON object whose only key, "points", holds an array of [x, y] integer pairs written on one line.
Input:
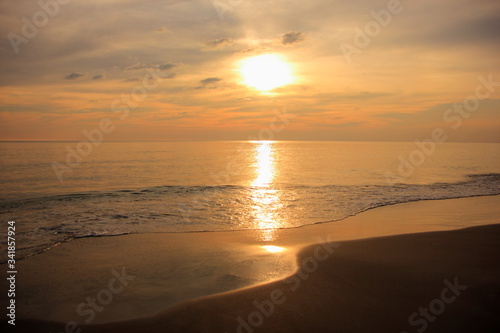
{"points": [[173, 70]]}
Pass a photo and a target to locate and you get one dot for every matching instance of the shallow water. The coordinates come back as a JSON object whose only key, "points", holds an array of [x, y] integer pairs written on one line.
{"points": [[187, 186]]}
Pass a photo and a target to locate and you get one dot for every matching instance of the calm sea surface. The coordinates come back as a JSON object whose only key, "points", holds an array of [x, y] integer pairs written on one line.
{"points": [[55, 192]]}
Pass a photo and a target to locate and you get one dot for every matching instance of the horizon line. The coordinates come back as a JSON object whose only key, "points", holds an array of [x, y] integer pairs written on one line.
{"points": [[155, 141]]}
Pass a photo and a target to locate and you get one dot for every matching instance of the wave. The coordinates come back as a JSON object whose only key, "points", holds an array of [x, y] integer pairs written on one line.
{"points": [[47, 221]]}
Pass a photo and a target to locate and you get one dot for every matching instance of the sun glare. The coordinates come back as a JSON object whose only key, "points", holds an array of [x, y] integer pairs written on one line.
{"points": [[265, 72], [273, 249]]}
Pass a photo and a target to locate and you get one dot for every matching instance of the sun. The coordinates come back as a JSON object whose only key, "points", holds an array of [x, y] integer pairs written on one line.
{"points": [[265, 72]]}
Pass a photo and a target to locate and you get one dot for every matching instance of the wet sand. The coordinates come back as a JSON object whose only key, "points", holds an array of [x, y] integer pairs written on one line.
{"points": [[369, 285]]}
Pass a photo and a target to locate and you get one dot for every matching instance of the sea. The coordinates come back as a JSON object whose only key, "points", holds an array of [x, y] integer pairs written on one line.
{"points": [[59, 191]]}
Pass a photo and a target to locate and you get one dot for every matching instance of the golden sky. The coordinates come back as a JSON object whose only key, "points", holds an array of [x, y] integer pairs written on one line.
{"points": [[365, 70]]}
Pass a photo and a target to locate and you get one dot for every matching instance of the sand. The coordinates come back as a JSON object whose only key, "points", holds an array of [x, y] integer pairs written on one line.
{"points": [[364, 285]]}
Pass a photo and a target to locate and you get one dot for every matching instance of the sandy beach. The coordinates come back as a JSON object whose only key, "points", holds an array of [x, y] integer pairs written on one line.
{"points": [[428, 266]]}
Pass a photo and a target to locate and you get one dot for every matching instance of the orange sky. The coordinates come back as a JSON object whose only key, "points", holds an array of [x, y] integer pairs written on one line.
{"points": [[362, 70]]}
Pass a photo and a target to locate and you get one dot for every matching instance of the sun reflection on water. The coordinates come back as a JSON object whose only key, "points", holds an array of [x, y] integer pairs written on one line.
{"points": [[264, 163], [266, 200]]}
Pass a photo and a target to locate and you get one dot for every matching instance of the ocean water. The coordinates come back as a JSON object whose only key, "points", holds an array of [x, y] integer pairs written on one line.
{"points": [[56, 192]]}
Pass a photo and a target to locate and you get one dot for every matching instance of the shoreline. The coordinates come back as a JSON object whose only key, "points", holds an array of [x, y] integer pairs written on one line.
{"points": [[189, 267], [247, 230]]}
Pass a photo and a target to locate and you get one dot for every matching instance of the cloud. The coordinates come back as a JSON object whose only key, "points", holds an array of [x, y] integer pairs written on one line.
{"points": [[210, 80], [137, 79], [347, 124], [450, 49], [166, 66], [215, 43], [208, 83], [478, 30], [73, 76], [254, 50], [480, 33], [169, 76], [139, 66], [162, 29], [177, 116], [292, 38]]}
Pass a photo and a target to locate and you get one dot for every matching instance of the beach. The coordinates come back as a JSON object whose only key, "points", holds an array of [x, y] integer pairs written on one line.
{"points": [[232, 166], [368, 273]]}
